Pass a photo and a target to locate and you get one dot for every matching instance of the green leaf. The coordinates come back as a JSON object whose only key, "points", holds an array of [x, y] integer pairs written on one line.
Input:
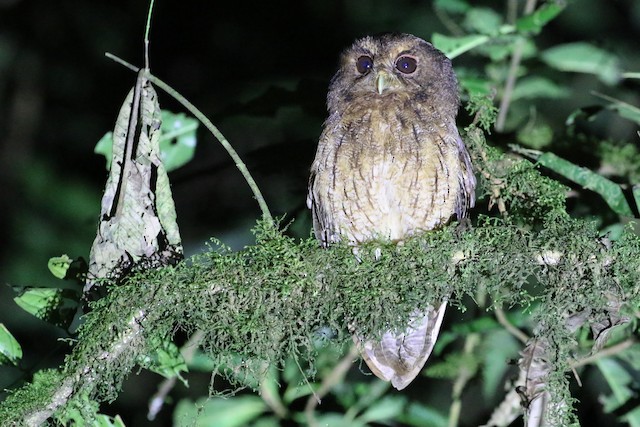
{"points": [[53, 305], [534, 22], [609, 190], [618, 380], [483, 20], [177, 139], [632, 417], [482, 324], [498, 347], [59, 265], [331, 419], [105, 147], [107, 421], [218, 412], [201, 362], [295, 391], [269, 390], [456, 46], [10, 350], [387, 408], [271, 421], [581, 57], [419, 415], [538, 87], [536, 133], [475, 85], [500, 48], [165, 360], [451, 366], [452, 6]]}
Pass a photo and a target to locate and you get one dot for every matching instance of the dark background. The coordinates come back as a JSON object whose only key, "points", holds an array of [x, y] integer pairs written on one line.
{"points": [[259, 70]]}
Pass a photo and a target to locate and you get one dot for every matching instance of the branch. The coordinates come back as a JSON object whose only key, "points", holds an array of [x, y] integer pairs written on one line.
{"points": [[266, 214], [86, 378], [258, 294]]}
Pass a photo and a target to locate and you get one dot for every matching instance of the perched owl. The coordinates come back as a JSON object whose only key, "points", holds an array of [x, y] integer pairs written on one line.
{"points": [[390, 164]]}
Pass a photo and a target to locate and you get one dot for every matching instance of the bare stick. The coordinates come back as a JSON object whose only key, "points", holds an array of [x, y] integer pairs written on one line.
{"points": [[502, 319]]}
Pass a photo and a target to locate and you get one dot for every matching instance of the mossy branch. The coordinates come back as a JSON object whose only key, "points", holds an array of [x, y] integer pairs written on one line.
{"points": [[269, 301]]}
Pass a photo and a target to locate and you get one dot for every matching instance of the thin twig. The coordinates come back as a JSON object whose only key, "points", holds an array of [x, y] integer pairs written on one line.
{"points": [[576, 376], [314, 395], [336, 375], [266, 214], [446, 20], [146, 36], [187, 351], [512, 11], [122, 62], [609, 351], [512, 76], [502, 319]]}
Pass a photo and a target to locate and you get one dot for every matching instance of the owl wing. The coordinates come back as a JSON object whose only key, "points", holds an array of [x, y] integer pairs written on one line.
{"points": [[400, 358], [324, 226], [466, 181], [317, 213]]}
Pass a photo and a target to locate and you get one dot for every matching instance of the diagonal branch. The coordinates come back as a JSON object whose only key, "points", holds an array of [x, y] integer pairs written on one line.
{"points": [[242, 167]]}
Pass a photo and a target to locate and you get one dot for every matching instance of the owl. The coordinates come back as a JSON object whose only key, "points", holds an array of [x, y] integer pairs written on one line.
{"points": [[390, 164]]}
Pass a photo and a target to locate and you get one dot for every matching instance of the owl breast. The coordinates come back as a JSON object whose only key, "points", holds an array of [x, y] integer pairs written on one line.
{"points": [[387, 174]]}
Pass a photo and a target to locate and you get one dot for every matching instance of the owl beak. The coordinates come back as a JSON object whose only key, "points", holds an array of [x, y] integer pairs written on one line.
{"points": [[384, 81]]}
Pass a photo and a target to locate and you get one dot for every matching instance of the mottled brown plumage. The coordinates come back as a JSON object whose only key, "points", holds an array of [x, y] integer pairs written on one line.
{"points": [[390, 164]]}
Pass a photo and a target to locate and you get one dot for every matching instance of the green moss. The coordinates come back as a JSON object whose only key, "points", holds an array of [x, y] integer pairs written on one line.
{"points": [[30, 398]]}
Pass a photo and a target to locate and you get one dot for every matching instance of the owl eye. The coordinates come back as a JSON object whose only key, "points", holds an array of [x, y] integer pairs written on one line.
{"points": [[406, 64], [364, 64]]}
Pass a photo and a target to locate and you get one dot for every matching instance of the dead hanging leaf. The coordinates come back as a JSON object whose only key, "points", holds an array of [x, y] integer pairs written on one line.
{"points": [[138, 228], [604, 322]]}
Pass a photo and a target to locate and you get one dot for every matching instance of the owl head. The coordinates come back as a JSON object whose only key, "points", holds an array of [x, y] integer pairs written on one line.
{"points": [[394, 67]]}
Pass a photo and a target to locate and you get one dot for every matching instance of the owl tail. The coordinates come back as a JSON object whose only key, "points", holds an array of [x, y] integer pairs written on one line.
{"points": [[400, 358]]}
